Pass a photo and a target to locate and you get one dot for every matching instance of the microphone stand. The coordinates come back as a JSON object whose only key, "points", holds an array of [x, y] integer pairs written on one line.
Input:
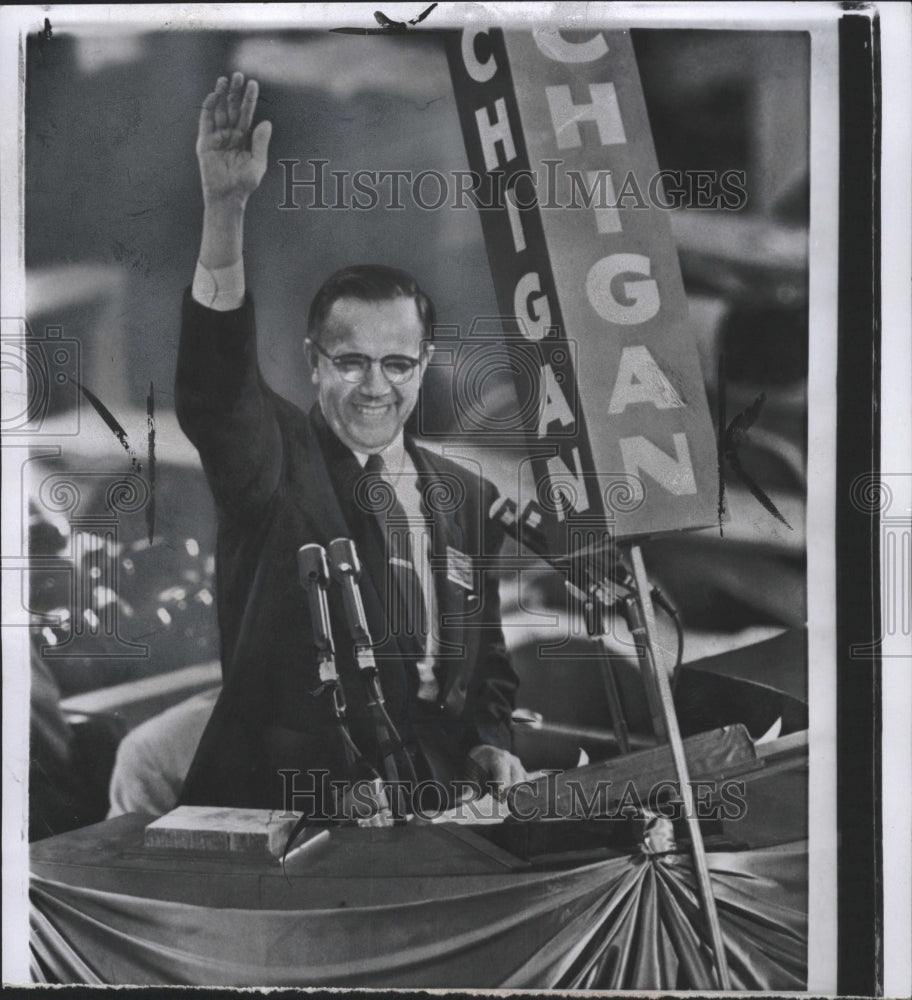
{"points": [[579, 580], [346, 571], [313, 571], [594, 613], [592, 592]]}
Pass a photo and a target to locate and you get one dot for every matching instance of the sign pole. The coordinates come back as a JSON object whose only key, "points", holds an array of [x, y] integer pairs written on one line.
{"points": [[680, 762]]}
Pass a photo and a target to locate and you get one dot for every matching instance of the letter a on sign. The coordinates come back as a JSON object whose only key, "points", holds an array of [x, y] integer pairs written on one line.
{"points": [[554, 404], [640, 380]]}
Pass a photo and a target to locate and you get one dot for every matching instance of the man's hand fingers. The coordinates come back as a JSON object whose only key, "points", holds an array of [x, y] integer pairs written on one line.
{"points": [[517, 772], [500, 768], [259, 144], [248, 106], [221, 110], [234, 99], [512, 773], [207, 116]]}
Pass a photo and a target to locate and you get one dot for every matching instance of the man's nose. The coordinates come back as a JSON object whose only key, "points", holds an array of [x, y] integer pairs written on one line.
{"points": [[375, 382]]}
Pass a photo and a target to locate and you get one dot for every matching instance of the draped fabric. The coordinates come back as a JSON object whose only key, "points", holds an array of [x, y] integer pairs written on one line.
{"points": [[627, 923]]}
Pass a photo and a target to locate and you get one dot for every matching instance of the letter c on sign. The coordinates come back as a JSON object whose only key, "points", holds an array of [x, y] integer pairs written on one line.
{"points": [[551, 44], [643, 295], [479, 71]]}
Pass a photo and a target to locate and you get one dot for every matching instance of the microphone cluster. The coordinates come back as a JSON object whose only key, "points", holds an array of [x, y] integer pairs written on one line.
{"points": [[340, 564]]}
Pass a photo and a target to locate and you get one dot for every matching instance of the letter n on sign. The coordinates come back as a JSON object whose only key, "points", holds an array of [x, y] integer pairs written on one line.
{"points": [[557, 128]]}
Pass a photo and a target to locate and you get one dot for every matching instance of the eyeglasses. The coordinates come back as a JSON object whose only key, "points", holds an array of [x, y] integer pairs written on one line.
{"points": [[396, 368]]}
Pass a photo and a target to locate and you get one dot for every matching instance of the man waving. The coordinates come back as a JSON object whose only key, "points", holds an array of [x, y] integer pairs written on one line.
{"points": [[282, 479]]}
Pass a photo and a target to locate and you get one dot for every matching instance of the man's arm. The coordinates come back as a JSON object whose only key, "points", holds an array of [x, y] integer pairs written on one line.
{"points": [[491, 702], [222, 403], [232, 162]]}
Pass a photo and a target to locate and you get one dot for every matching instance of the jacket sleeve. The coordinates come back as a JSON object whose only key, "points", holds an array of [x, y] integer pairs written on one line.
{"points": [[491, 695], [225, 408]]}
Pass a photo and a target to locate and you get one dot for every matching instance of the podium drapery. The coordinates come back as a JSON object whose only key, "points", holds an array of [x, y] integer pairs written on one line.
{"points": [[627, 923]]}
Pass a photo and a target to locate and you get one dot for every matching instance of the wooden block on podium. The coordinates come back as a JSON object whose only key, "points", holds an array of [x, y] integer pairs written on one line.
{"points": [[219, 830]]}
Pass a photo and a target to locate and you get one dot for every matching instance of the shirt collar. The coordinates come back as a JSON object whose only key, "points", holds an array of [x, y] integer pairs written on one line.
{"points": [[393, 455]]}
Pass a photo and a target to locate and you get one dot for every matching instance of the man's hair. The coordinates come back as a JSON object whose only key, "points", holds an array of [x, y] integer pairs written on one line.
{"points": [[368, 283]]}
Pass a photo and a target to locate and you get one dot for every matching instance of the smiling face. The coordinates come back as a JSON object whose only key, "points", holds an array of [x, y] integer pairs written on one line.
{"points": [[366, 416]]}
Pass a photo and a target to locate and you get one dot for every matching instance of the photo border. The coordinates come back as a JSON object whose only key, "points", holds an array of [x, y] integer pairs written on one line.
{"points": [[844, 798]]}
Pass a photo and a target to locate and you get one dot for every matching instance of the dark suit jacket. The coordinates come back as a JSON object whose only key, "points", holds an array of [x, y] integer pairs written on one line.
{"points": [[282, 479]]}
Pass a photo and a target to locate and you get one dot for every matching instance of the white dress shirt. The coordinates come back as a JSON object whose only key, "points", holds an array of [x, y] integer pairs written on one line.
{"points": [[221, 289], [401, 474]]}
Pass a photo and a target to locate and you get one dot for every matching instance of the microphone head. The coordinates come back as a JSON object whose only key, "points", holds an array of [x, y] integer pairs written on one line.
{"points": [[312, 566], [343, 559]]}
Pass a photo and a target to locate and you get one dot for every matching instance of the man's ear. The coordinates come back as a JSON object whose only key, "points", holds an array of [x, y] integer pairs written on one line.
{"points": [[312, 359], [427, 351]]}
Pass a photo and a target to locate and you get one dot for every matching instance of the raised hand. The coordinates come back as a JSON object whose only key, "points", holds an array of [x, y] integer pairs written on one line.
{"points": [[232, 161]]}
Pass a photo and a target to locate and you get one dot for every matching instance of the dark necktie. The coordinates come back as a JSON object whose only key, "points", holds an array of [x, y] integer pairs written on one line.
{"points": [[407, 618]]}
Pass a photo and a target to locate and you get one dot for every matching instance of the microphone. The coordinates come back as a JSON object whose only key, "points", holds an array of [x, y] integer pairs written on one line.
{"points": [[313, 571], [345, 568], [346, 571]]}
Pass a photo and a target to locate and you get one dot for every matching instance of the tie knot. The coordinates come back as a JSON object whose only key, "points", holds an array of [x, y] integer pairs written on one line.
{"points": [[375, 465]]}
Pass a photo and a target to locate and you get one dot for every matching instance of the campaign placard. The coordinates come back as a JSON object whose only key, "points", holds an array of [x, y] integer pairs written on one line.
{"points": [[575, 220]]}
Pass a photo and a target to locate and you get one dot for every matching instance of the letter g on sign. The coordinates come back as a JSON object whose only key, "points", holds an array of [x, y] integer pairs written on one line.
{"points": [[643, 296]]}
